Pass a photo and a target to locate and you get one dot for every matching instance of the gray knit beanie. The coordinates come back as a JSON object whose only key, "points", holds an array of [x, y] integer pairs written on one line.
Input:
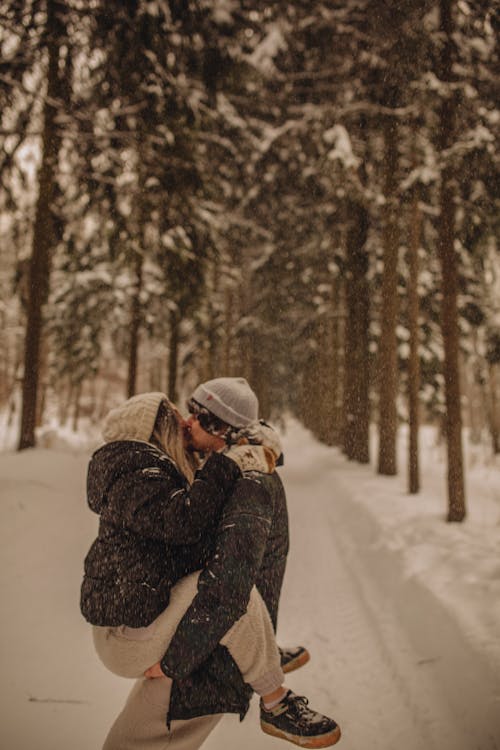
{"points": [[133, 420], [229, 399]]}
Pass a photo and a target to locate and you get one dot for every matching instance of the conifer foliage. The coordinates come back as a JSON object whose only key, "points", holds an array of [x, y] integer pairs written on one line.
{"points": [[305, 194]]}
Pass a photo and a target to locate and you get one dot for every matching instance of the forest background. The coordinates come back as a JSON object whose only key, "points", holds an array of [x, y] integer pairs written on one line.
{"points": [[302, 193]]}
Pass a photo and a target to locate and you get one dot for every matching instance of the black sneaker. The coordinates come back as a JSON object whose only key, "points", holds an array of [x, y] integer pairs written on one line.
{"points": [[292, 720], [293, 658]]}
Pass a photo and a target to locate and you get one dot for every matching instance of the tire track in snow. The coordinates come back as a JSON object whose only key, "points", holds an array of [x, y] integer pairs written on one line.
{"points": [[410, 712], [381, 690]]}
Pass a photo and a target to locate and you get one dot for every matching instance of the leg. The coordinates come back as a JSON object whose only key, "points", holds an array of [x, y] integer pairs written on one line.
{"points": [[252, 644], [128, 656], [142, 723], [191, 734], [250, 641]]}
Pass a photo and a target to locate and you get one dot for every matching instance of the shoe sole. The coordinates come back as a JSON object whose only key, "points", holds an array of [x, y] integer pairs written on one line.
{"points": [[325, 740], [296, 663]]}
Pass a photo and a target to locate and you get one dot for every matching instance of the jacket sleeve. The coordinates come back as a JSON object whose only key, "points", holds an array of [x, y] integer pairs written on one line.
{"points": [[224, 585], [155, 503]]}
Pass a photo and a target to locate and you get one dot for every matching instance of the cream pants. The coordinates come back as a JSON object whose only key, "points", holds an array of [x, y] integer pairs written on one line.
{"points": [[251, 641], [142, 723]]}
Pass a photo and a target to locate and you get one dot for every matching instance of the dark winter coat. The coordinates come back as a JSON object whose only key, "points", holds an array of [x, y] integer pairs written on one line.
{"points": [[153, 529], [251, 548]]}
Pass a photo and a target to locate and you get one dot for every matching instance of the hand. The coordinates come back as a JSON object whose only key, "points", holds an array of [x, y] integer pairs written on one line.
{"points": [[154, 671], [259, 433], [252, 457]]}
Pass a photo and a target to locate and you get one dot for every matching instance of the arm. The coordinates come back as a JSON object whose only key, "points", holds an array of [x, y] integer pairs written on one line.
{"points": [[154, 501], [225, 584]]}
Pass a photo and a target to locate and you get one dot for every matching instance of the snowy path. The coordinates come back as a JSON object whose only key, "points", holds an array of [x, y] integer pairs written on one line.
{"points": [[386, 661]]}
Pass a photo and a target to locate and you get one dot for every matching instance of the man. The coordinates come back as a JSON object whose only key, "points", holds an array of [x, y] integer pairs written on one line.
{"points": [[251, 549]]}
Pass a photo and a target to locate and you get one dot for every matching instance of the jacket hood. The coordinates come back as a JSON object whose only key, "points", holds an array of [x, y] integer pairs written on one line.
{"points": [[113, 461]]}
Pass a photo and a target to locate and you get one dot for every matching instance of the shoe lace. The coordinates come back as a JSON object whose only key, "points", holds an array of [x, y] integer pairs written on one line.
{"points": [[305, 714]]}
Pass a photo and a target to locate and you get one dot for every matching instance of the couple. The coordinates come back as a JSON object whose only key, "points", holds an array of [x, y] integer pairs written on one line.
{"points": [[184, 577]]}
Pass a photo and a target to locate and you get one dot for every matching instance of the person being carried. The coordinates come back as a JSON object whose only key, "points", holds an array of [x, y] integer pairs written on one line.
{"points": [[249, 547], [155, 531]]}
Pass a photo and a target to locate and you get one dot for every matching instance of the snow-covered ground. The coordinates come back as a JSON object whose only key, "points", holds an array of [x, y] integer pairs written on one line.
{"points": [[401, 611]]}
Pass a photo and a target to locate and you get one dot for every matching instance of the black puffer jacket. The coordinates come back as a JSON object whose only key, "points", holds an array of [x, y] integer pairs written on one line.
{"points": [[251, 548], [153, 529]]}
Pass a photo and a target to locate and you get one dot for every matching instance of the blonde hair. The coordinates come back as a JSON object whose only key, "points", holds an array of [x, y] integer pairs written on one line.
{"points": [[167, 435]]}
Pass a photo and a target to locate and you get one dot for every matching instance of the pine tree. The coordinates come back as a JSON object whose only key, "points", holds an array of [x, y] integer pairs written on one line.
{"points": [[388, 363], [449, 271], [43, 231], [356, 371], [414, 243]]}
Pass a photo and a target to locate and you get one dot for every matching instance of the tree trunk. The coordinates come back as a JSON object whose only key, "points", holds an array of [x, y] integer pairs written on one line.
{"points": [[5, 365], [65, 391], [414, 360], [43, 233], [173, 355], [356, 410], [315, 390], [338, 350], [77, 406], [449, 273], [41, 400], [327, 381], [135, 326], [476, 391], [323, 375], [210, 369], [493, 411], [228, 331], [261, 384], [103, 405], [387, 358]]}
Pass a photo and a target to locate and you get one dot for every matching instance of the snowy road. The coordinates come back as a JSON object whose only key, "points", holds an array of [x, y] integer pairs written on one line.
{"points": [[386, 661]]}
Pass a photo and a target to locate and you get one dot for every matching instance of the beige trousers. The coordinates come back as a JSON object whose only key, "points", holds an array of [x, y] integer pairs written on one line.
{"points": [[250, 641], [142, 723]]}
